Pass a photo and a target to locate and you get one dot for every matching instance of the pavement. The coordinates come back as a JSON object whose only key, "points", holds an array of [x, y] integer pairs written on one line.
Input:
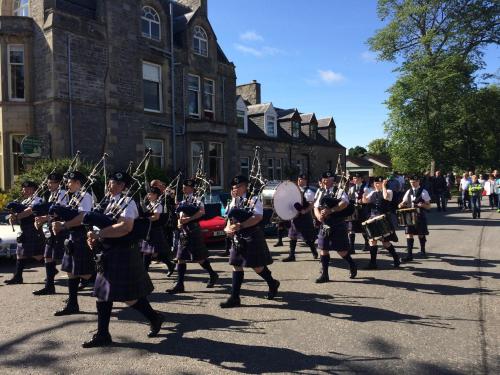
{"points": [[439, 315]]}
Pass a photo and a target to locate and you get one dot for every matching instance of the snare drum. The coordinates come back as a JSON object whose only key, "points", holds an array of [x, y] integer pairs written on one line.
{"points": [[407, 216], [378, 227]]}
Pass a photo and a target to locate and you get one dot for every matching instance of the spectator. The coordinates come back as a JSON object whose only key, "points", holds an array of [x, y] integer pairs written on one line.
{"points": [[440, 191], [497, 188], [490, 192], [476, 191], [464, 191]]}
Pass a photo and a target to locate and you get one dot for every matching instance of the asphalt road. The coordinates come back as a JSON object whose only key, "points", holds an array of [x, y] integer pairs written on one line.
{"points": [[439, 315]]}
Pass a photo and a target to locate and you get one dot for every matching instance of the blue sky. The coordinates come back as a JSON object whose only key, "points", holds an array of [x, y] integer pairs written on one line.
{"points": [[312, 55]]}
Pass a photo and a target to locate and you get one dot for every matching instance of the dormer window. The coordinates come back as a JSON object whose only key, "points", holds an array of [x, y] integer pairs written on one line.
{"points": [[313, 130], [271, 126], [296, 129], [150, 23], [21, 8], [200, 41]]}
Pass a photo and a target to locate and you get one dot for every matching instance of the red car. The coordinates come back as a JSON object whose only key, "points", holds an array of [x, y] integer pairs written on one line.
{"points": [[212, 225]]}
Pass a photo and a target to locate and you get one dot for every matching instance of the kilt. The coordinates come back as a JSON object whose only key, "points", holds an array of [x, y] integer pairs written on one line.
{"points": [[55, 247], [355, 226], [302, 227], [253, 252], [420, 229], [78, 260], [156, 244], [124, 277], [191, 246], [32, 241], [336, 240]]}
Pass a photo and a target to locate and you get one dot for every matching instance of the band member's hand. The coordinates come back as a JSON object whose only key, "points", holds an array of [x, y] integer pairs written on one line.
{"points": [[235, 227], [57, 227], [91, 239], [12, 219], [184, 220], [420, 204], [324, 213], [384, 183], [229, 230]]}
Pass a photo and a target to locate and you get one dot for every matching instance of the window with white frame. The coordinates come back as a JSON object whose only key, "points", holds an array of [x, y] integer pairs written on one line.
{"points": [[241, 121], [271, 126], [245, 166], [270, 168], [193, 95], [278, 170], [209, 98], [196, 154], [16, 72], [296, 129], [200, 41], [150, 23], [158, 151], [151, 78], [16, 158], [21, 8], [215, 163]]}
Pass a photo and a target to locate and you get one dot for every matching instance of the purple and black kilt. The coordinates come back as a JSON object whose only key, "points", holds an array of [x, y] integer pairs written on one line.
{"points": [[54, 247], [124, 277], [32, 240], [253, 251], [156, 243], [337, 239], [77, 258], [420, 229], [302, 227], [191, 246]]}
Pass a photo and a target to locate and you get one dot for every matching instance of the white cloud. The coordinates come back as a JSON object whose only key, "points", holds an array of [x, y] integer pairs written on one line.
{"points": [[251, 36], [248, 50], [329, 76], [260, 51], [369, 56]]}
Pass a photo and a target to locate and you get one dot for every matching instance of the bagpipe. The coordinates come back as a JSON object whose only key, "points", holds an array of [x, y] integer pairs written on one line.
{"points": [[168, 199]]}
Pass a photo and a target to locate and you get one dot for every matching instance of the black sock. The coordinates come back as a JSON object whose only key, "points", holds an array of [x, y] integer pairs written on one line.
{"points": [[146, 258], [373, 254], [293, 246], [144, 307], [366, 240], [238, 277], [20, 264], [206, 265], [392, 251], [352, 238], [312, 246], [422, 244], [266, 275], [181, 272], [325, 262], [409, 245], [73, 291], [103, 316], [50, 272], [349, 260]]}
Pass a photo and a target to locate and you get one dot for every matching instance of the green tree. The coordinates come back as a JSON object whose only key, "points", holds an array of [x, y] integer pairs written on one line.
{"points": [[379, 146], [357, 151]]}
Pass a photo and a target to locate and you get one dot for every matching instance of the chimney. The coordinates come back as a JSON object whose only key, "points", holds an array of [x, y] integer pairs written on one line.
{"points": [[250, 92], [195, 4]]}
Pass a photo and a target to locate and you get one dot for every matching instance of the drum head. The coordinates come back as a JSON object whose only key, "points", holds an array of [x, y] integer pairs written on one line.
{"points": [[286, 195]]}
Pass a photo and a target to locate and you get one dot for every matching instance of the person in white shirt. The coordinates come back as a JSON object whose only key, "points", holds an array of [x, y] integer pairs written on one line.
{"points": [[464, 190], [416, 197]]}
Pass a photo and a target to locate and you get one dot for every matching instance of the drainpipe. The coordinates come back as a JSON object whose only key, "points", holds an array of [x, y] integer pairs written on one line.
{"points": [[172, 83], [70, 98]]}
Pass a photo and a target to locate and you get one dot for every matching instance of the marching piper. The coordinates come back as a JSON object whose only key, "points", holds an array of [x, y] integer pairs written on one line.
{"points": [[380, 204], [191, 246], [333, 229], [416, 197], [302, 226], [31, 242], [54, 248], [121, 276], [249, 248], [355, 197], [77, 261]]}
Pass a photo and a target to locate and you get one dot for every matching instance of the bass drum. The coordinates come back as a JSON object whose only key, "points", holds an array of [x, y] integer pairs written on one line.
{"points": [[267, 194], [286, 195]]}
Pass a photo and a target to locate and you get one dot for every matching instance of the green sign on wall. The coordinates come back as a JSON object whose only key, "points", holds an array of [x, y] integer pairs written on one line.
{"points": [[31, 147]]}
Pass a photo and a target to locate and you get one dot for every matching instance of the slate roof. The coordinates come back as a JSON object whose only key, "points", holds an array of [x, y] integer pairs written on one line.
{"points": [[285, 114], [359, 161], [325, 122], [258, 109], [306, 117]]}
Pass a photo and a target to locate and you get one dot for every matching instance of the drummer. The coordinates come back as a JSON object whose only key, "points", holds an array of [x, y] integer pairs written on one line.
{"points": [[302, 225], [379, 201], [416, 197], [355, 195]]}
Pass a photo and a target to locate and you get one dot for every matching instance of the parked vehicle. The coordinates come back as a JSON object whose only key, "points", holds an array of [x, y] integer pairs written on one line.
{"points": [[212, 223], [8, 238]]}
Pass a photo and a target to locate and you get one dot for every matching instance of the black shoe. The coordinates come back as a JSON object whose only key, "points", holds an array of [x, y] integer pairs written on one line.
{"points": [[290, 258], [14, 280], [407, 259], [279, 243], [351, 252], [423, 254], [83, 284], [171, 269], [371, 266], [274, 290], [98, 341], [353, 272], [315, 255], [178, 288], [230, 302], [156, 326], [323, 278], [45, 291], [68, 310], [397, 262], [213, 279]]}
